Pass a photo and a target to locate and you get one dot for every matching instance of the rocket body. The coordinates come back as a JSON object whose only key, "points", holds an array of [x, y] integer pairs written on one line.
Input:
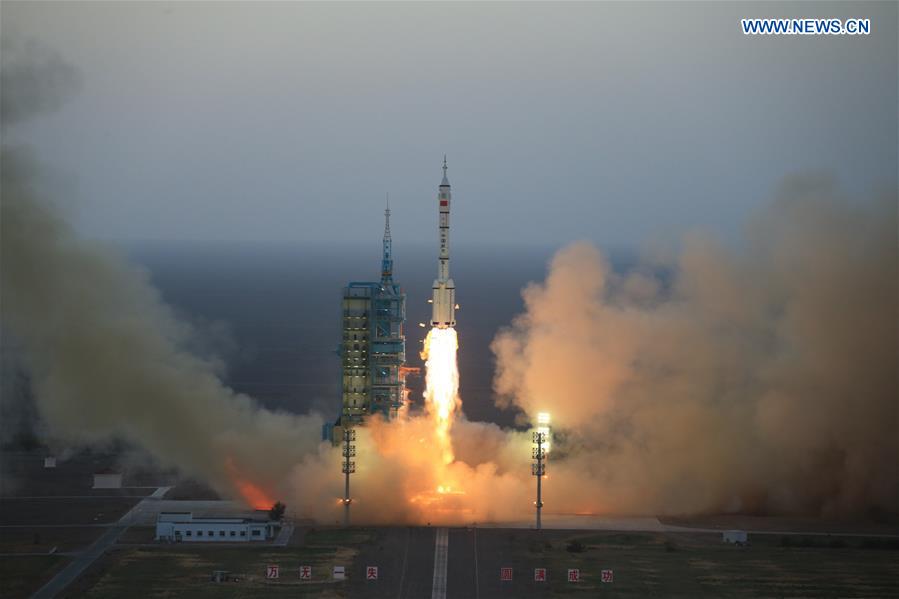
{"points": [[443, 298]]}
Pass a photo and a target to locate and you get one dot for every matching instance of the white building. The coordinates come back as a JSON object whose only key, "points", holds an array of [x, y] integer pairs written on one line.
{"points": [[183, 527], [107, 480], [735, 537]]}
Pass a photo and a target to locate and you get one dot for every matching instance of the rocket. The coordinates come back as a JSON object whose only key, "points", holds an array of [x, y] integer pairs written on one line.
{"points": [[443, 298]]}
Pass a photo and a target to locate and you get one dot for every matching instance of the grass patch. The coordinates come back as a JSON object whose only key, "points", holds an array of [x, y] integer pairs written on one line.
{"points": [[182, 570], [675, 565], [21, 576], [631, 539], [337, 536]]}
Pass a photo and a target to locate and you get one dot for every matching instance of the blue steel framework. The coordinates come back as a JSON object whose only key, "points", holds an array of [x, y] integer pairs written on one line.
{"points": [[373, 347]]}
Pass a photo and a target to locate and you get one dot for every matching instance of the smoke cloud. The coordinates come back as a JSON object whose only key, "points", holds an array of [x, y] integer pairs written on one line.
{"points": [[106, 357], [34, 78], [761, 379]]}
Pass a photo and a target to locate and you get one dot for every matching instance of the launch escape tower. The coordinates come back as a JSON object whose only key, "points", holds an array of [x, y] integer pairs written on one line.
{"points": [[373, 348]]}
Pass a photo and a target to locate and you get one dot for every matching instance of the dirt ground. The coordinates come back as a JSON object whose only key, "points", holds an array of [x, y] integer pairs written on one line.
{"points": [[24, 475], [46, 508], [191, 490], [882, 524], [70, 511], [27, 539]]}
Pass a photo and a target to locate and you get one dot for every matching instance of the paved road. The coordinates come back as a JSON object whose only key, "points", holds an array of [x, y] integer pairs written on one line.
{"points": [[441, 549], [284, 535], [405, 560], [477, 555], [463, 567], [81, 563]]}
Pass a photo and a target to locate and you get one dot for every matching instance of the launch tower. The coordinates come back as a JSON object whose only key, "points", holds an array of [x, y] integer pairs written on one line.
{"points": [[373, 346]]}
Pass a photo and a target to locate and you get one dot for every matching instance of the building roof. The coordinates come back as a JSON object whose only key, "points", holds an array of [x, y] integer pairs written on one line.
{"points": [[185, 517]]}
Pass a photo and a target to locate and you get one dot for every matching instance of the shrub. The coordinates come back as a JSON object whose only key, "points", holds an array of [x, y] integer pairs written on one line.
{"points": [[277, 511]]}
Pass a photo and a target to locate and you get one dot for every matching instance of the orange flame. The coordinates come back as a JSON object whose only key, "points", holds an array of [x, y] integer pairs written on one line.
{"points": [[442, 383], [254, 496], [406, 371]]}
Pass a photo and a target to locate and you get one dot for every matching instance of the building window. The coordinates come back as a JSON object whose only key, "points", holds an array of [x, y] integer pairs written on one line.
{"points": [[199, 533], [221, 533], [188, 533], [255, 533], [243, 533], [233, 533]]}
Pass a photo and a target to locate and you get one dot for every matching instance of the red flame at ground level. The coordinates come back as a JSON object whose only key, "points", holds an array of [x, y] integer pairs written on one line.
{"points": [[254, 496]]}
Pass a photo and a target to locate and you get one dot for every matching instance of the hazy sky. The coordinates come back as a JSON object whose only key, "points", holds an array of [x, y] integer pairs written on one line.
{"points": [[615, 122]]}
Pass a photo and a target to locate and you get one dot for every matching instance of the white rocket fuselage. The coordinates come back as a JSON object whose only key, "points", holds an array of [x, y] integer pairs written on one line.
{"points": [[443, 299]]}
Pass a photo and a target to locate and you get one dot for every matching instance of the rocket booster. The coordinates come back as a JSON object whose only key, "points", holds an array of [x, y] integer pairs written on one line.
{"points": [[443, 298]]}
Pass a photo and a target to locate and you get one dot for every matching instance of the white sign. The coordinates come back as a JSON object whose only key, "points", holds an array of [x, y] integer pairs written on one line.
{"points": [[371, 573], [539, 574], [574, 575], [305, 573], [607, 576], [271, 571], [339, 573]]}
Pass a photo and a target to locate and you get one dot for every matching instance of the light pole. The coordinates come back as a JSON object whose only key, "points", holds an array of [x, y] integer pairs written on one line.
{"points": [[349, 467], [538, 468]]}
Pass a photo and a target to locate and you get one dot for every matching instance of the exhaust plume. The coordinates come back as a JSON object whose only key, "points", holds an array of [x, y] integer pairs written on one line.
{"points": [[755, 380]]}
